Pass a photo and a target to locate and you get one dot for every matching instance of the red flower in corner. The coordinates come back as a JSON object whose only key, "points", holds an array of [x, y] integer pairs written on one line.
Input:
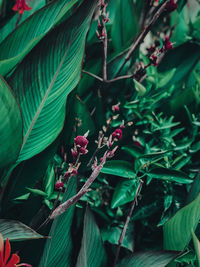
{"points": [[20, 6], [5, 253]]}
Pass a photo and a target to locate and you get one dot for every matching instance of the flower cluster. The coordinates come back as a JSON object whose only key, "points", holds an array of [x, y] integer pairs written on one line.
{"points": [[21, 6], [104, 19]]}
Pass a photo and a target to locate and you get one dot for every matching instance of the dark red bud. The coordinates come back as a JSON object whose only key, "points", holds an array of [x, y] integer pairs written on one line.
{"points": [[171, 6], [117, 134], [81, 141], [59, 185]]}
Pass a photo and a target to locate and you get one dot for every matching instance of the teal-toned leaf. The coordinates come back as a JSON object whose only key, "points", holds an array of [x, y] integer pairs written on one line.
{"points": [[125, 24], [49, 180], [92, 251], [133, 151], [17, 231], [57, 250], [196, 247], [10, 125], [178, 230], [195, 189], [125, 192], [166, 77], [43, 92], [28, 34], [139, 88], [11, 24], [119, 168], [170, 175], [37, 192], [153, 259]]}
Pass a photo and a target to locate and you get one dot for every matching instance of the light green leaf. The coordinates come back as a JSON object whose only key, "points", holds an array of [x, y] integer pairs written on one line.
{"points": [[178, 230], [17, 231], [10, 125], [57, 250], [139, 87], [166, 77], [196, 247], [153, 259], [42, 91], [37, 192], [28, 34], [119, 168], [92, 252]]}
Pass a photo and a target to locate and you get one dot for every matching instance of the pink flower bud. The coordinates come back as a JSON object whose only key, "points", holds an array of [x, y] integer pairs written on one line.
{"points": [[81, 141], [153, 60], [82, 150], [115, 108], [117, 134], [74, 153], [74, 172], [171, 6], [59, 185]]}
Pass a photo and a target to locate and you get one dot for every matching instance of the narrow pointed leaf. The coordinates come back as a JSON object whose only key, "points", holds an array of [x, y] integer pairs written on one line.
{"points": [[57, 250], [92, 251], [10, 125], [196, 247], [17, 231], [178, 230], [153, 259], [42, 90], [28, 34]]}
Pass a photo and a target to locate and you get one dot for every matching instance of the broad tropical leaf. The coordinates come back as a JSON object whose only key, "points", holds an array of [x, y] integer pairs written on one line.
{"points": [[17, 231], [153, 259], [120, 168], [28, 34], [57, 251], [10, 125], [42, 90], [178, 230], [92, 251]]}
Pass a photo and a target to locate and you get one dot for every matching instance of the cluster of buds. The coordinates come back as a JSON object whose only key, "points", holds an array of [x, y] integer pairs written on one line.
{"points": [[80, 144], [101, 32]]}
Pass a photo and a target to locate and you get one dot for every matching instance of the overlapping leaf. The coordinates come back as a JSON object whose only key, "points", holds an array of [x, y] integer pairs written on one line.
{"points": [[120, 168], [28, 34], [10, 125], [46, 76]]}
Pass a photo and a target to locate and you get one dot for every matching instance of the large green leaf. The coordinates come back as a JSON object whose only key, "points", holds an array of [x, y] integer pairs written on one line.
{"points": [[178, 230], [119, 168], [153, 259], [17, 231], [57, 251], [28, 34], [92, 251], [125, 192], [10, 125], [46, 76], [125, 25]]}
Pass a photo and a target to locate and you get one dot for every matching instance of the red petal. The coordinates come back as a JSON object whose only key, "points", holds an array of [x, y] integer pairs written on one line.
{"points": [[21, 11], [14, 260], [25, 7], [15, 8], [7, 251]]}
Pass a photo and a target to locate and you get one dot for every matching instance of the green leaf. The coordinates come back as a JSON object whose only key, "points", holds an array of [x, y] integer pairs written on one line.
{"points": [[133, 151], [166, 77], [139, 88], [92, 252], [178, 230], [125, 192], [125, 25], [10, 125], [170, 175], [17, 231], [196, 247], [42, 95], [28, 34], [57, 250], [37, 192], [153, 259], [119, 168]]}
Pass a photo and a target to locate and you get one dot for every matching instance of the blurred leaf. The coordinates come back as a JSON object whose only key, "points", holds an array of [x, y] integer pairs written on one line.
{"points": [[37, 192], [17, 231], [139, 88], [125, 24], [153, 259], [125, 192], [194, 190], [49, 180], [92, 251], [178, 230], [170, 175], [57, 250], [10, 125], [197, 247], [64, 48], [14, 48], [134, 151], [119, 168]]}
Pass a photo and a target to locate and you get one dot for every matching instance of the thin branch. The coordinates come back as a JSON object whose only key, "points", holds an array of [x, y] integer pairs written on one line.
{"points": [[85, 188], [93, 75], [142, 35], [134, 202]]}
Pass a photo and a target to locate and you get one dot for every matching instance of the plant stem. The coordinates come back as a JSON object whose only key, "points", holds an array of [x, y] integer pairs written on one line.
{"points": [[126, 224], [142, 35]]}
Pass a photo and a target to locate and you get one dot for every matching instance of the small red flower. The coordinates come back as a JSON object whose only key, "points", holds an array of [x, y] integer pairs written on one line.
{"points": [[115, 108], [167, 44], [81, 141], [5, 253], [20, 6], [117, 134], [153, 60], [171, 6], [59, 185]]}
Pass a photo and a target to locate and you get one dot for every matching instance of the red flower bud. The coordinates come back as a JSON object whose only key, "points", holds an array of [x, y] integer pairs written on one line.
{"points": [[153, 60], [81, 141], [171, 6], [82, 150], [115, 108], [59, 185], [117, 134]]}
